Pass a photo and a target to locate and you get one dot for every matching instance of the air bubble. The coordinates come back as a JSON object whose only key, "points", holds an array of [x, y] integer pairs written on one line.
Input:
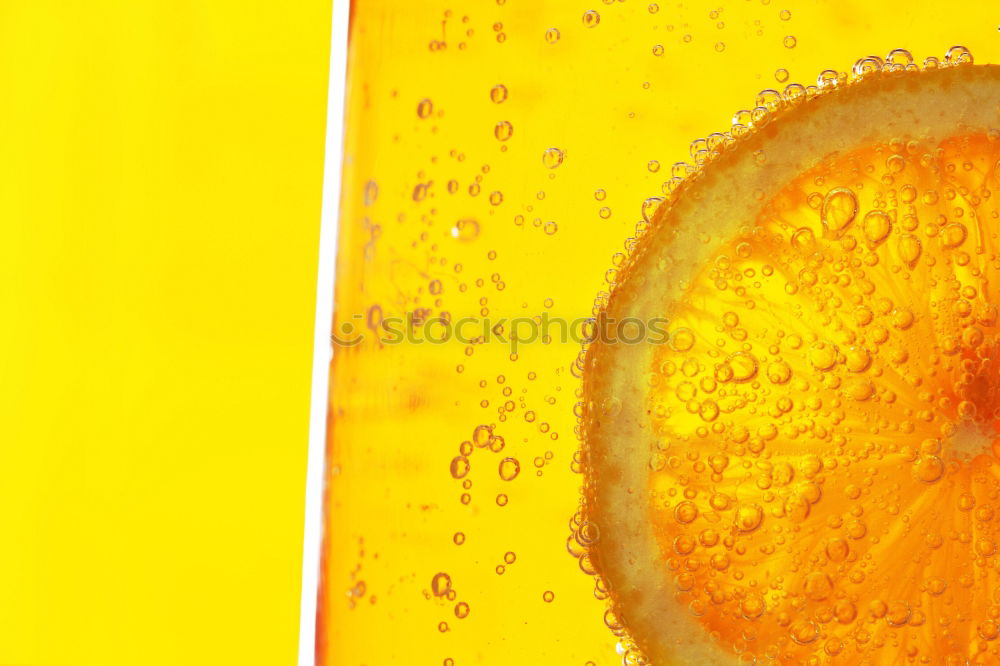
{"points": [[459, 467], [465, 230], [867, 65], [909, 248], [958, 55], [857, 359], [928, 469], [899, 58], [503, 130], [804, 240], [552, 157], [509, 469], [749, 517], [823, 355], [837, 549], [649, 207], [840, 207], [953, 235], [779, 372], [498, 93], [744, 366], [371, 192], [682, 340], [440, 584], [817, 586], [897, 613], [686, 512], [803, 632], [876, 227], [752, 606]]}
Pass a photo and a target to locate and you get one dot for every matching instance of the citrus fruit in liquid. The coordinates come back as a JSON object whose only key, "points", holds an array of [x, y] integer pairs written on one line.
{"points": [[456, 203]]}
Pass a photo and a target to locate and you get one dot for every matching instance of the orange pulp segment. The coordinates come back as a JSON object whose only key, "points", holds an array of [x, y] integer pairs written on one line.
{"points": [[807, 471]]}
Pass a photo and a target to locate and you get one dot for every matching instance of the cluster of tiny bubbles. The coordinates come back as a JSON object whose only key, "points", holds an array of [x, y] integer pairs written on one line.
{"points": [[958, 55], [483, 437], [838, 209], [542, 461]]}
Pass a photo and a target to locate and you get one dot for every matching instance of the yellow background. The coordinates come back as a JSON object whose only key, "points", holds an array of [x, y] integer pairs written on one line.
{"points": [[159, 215]]}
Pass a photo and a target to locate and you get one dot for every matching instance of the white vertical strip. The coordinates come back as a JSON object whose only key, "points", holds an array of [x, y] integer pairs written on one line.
{"points": [[312, 538]]}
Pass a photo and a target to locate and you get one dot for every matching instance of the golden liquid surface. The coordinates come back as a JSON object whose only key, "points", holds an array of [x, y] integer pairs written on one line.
{"points": [[497, 157]]}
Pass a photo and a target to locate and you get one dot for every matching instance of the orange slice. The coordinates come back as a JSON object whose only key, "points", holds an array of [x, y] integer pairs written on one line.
{"points": [[806, 471]]}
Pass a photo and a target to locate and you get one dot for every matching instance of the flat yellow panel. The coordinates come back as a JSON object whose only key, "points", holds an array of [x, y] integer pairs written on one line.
{"points": [[159, 220]]}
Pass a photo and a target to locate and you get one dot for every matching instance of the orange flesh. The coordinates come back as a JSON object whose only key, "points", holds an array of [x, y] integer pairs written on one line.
{"points": [[808, 472], [826, 483]]}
